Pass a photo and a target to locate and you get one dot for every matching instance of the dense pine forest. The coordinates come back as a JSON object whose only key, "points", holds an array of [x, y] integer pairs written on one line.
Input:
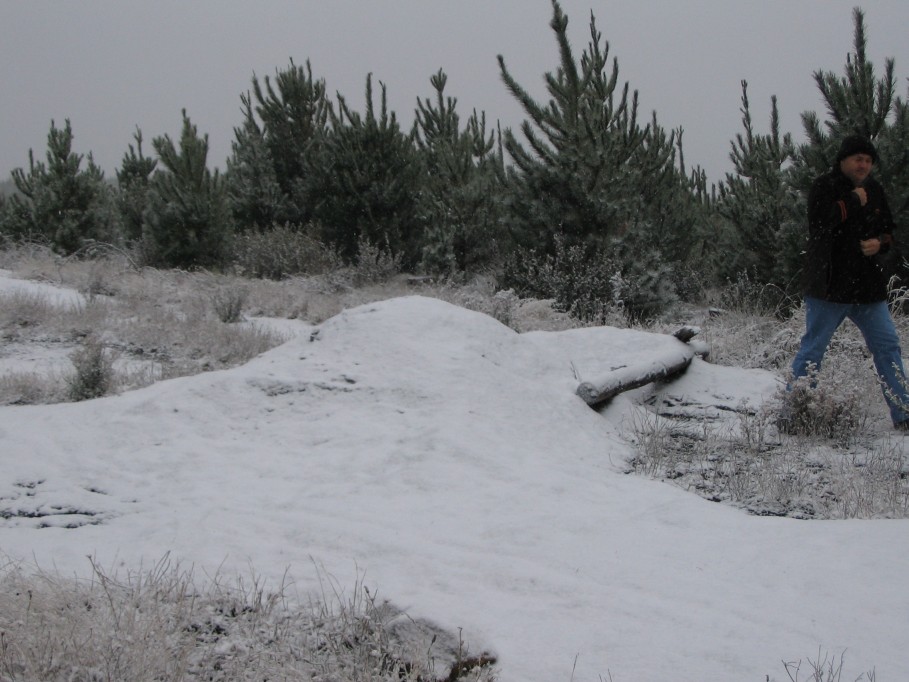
{"points": [[588, 203]]}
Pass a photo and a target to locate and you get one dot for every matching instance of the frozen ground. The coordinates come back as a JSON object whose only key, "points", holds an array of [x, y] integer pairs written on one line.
{"points": [[445, 461]]}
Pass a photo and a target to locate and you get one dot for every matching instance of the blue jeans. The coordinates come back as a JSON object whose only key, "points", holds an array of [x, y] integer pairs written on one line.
{"points": [[822, 318]]}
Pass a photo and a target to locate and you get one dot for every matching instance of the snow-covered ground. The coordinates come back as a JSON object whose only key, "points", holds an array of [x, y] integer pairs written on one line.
{"points": [[445, 461]]}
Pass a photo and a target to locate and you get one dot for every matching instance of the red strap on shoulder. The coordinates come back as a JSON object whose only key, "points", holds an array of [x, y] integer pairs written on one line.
{"points": [[842, 205]]}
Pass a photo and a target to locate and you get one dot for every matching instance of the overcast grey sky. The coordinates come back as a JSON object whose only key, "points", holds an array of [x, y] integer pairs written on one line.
{"points": [[112, 65]]}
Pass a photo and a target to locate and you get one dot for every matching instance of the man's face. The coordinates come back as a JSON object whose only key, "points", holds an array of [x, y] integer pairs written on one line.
{"points": [[857, 168]]}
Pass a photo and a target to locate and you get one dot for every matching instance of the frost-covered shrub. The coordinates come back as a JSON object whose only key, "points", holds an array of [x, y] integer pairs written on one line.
{"points": [[463, 241], [375, 263], [94, 371], [748, 295], [228, 303], [576, 279], [594, 284], [279, 252], [832, 408]]}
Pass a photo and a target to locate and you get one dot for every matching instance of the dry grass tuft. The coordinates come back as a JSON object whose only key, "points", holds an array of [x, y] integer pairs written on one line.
{"points": [[825, 667]]}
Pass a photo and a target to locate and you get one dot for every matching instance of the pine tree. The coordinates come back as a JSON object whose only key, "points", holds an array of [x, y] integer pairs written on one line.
{"points": [[675, 207], [460, 205], [256, 198], [370, 183], [857, 103], [187, 221], [59, 202], [274, 150], [593, 177], [133, 181], [584, 170], [760, 202], [893, 169]]}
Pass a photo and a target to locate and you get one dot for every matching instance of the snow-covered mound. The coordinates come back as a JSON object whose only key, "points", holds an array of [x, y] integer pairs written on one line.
{"points": [[447, 461]]}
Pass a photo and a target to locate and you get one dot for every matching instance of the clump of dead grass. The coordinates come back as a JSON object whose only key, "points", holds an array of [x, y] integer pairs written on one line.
{"points": [[825, 667]]}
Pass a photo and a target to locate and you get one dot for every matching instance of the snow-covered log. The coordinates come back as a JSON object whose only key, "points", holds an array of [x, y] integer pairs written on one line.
{"points": [[667, 365]]}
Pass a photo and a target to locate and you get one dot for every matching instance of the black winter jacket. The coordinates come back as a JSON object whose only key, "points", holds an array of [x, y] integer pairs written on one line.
{"points": [[835, 269]]}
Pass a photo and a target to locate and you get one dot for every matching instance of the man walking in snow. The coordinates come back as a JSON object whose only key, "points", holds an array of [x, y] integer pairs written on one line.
{"points": [[849, 228]]}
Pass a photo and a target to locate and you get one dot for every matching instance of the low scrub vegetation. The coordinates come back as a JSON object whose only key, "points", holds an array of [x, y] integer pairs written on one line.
{"points": [[160, 625], [748, 464]]}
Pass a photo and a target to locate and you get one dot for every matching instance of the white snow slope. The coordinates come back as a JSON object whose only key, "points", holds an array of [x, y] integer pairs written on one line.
{"points": [[446, 461]]}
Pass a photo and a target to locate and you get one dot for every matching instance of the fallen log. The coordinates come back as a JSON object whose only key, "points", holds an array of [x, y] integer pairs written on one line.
{"points": [[626, 377]]}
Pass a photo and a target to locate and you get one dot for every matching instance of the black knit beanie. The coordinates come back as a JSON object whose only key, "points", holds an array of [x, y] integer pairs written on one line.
{"points": [[856, 144]]}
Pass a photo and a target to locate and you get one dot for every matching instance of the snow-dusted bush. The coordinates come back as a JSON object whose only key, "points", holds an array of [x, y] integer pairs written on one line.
{"points": [[597, 286], [376, 263], [832, 409], [278, 252], [228, 302], [578, 282], [93, 375]]}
